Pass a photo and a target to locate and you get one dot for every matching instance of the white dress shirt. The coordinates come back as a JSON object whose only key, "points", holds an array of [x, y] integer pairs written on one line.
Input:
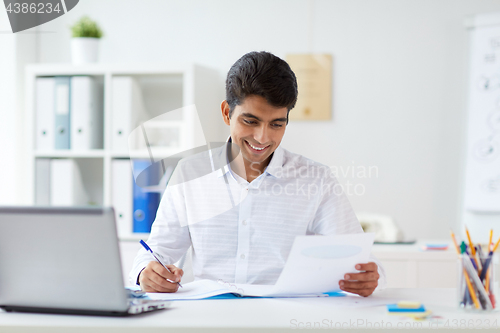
{"points": [[242, 232]]}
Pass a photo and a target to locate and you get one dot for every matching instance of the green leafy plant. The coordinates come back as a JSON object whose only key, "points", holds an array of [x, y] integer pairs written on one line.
{"points": [[85, 27]]}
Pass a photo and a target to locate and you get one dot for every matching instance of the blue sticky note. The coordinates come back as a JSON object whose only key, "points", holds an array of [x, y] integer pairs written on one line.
{"points": [[396, 308], [433, 245]]}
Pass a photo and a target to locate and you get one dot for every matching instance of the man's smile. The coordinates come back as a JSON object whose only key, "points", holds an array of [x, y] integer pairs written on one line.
{"points": [[256, 148]]}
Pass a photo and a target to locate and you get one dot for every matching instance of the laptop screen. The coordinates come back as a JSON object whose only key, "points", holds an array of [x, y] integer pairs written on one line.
{"points": [[60, 258]]}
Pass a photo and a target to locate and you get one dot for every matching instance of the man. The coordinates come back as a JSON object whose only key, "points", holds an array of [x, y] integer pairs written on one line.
{"points": [[241, 205]]}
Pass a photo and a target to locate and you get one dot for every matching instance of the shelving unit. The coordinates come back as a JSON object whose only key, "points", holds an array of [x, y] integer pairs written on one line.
{"points": [[164, 89]]}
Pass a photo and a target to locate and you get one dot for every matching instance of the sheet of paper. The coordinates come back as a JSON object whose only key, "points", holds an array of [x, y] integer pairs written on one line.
{"points": [[316, 264]]}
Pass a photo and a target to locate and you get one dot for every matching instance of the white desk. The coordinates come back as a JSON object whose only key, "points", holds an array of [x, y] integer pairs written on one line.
{"points": [[250, 315]]}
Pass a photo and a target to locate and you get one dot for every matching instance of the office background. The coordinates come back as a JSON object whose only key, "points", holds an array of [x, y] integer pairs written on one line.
{"points": [[400, 75]]}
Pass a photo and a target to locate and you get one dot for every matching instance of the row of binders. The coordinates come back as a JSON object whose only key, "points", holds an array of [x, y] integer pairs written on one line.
{"points": [[136, 189], [69, 112]]}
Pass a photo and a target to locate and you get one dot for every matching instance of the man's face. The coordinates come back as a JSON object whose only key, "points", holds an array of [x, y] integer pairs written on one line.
{"points": [[256, 127]]}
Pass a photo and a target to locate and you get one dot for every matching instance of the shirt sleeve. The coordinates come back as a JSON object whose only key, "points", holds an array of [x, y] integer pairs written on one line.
{"points": [[334, 216], [169, 237]]}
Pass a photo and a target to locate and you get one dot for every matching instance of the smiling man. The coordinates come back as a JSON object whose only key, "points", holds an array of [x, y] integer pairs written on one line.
{"points": [[257, 128], [240, 206]]}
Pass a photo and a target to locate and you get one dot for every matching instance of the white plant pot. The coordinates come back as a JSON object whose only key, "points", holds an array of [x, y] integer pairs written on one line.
{"points": [[84, 50]]}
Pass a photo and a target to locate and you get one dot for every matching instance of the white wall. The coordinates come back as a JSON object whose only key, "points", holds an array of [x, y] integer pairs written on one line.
{"points": [[8, 194], [16, 50], [399, 82]]}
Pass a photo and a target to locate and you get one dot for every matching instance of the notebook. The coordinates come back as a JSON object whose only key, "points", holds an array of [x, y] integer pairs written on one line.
{"points": [[64, 260]]}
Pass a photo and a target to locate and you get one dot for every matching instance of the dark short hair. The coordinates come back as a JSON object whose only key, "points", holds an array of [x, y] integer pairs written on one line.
{"points": [[262, 74]]}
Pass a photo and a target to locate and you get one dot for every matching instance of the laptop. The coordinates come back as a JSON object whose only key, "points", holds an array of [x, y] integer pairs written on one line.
{"points": [[64, 260]]}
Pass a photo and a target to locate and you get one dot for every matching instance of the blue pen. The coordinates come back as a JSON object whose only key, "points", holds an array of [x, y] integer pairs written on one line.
{"points": [[143, 243]]}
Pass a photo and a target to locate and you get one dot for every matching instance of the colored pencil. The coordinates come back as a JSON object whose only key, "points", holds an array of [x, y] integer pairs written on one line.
{"points": [[472, 249], [471, 245], [496, 246], [471, 290], [454, 241]]}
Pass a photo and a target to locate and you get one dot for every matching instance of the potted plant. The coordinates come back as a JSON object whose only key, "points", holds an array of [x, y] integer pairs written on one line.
{"points": [[85, 42]]}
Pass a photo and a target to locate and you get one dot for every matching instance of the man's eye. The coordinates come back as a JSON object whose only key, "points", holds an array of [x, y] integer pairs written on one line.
{"points": [[250, 122], [277, 125]]}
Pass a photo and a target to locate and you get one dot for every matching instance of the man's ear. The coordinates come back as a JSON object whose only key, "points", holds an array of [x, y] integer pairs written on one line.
{"points": [[224, 106]]}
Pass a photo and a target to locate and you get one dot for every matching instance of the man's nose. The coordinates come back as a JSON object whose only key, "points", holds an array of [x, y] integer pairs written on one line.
{"points": [[261, 134]]}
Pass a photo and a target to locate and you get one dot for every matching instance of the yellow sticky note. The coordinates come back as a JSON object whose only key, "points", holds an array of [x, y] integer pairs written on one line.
{"points": [[409, 305]]}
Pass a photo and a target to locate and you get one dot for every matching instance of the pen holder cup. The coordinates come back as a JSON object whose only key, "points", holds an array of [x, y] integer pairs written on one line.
{"points": [[477, 288]]}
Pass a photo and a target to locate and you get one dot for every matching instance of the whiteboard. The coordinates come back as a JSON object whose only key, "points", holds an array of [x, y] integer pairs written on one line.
{"points": [[482, 183]]}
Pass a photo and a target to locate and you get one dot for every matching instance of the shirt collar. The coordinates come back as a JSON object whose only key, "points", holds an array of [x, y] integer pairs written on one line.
{"points": [[221, 161], [276, 164]]}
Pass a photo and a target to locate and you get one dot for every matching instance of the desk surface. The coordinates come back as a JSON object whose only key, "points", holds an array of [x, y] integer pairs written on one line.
{"points": [[264, 314]]}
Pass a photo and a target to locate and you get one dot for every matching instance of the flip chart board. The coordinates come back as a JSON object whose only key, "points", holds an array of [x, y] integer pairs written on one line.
{"points": [[482, 183]]}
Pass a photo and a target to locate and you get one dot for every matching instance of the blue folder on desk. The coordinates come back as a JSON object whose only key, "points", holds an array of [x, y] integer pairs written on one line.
{"points": [[233, 296]]}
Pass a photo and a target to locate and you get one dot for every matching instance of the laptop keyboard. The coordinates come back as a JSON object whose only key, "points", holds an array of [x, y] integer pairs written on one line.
{"points": [[146, 305]]}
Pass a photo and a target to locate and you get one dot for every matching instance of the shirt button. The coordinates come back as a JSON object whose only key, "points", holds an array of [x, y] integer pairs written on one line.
{"points": [[242, 256], [244, 222]]}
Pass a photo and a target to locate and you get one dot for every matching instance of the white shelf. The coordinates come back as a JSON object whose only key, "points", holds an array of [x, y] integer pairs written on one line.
{"points": [[98, 153], [157, 154], [165, 88], [103, 69]]}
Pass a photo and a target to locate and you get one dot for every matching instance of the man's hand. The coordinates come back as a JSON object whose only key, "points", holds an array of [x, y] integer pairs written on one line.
{"points": [[363, 283], [153, 278]]}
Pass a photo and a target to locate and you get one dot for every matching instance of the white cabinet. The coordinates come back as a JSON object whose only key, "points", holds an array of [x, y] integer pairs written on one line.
{"points": [[408, 266]]}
